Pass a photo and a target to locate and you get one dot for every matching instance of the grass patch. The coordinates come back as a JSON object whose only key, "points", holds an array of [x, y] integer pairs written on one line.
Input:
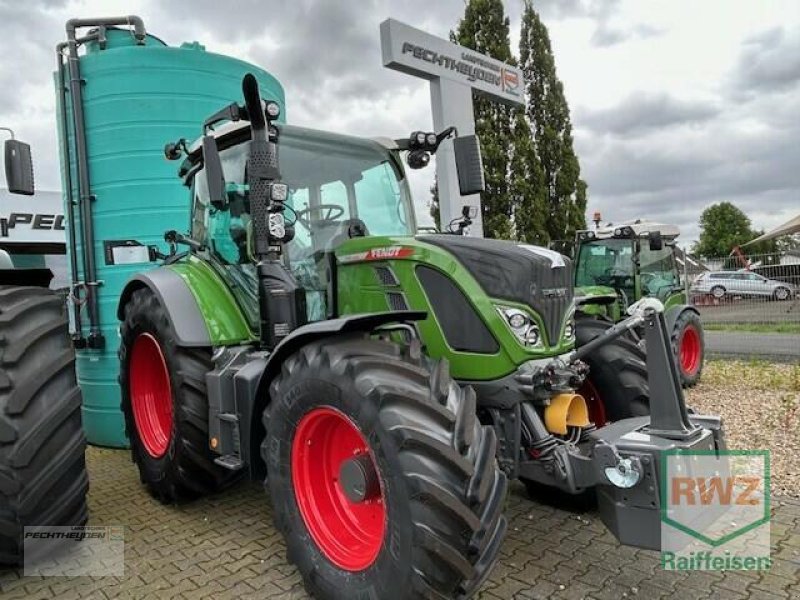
{"points": [[756, 374], [754, 327]]}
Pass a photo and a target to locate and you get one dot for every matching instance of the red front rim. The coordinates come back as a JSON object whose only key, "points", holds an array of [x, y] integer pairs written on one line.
{"points": [[349, 534], [690, 350], [151, 395], [597, 410]]}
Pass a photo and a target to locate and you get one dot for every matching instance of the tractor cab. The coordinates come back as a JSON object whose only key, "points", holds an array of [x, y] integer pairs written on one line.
{"points": [[633, 259], [338, 187]]}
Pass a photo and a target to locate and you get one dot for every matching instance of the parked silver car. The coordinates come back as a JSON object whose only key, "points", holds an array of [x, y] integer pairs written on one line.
{"points": [[742, 283]]}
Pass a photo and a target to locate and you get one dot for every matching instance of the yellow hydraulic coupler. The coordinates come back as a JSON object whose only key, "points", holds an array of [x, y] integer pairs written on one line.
{"points": [[566, 410]]}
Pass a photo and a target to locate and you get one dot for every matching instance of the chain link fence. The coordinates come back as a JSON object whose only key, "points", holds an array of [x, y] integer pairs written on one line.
{"points": [[750, 306]]}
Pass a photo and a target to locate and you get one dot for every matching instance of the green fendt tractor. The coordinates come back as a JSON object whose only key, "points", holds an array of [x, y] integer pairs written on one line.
{"points": [[377, 378], [619, 265], [43, 480]]}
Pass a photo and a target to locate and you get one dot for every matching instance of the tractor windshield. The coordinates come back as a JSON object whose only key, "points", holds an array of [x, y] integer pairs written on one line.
{"points": [[605, 262], [339, 187]]}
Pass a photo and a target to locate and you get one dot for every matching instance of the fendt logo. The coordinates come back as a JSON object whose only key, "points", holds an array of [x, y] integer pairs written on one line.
{"points": [[715, 510]]}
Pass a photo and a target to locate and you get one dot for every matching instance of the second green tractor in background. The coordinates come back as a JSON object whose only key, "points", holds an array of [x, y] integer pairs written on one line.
{"points": [[619, 265]]}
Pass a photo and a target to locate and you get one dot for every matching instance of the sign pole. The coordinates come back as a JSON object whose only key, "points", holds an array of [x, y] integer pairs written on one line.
{"points": [[454, 73], [451, 104]]}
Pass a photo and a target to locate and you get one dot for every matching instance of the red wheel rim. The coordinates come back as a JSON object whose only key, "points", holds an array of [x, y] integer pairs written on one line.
{"points": [[597, 409], [151, 395], [349, 534], [690, 350]]}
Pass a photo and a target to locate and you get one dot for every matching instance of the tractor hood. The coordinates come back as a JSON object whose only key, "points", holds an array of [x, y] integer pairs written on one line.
{"points": [[540, 278]]}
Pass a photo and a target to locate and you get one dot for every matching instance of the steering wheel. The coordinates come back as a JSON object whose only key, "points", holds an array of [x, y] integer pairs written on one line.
{"points": [[332, 212], [613, 277]]}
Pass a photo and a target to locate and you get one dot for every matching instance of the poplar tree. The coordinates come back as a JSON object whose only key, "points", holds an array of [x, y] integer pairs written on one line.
{"points": [[564, 192], [484, 29]]}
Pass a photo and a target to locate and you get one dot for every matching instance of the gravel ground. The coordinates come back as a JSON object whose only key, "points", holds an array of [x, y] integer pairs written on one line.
{"points": [[760, 406]]}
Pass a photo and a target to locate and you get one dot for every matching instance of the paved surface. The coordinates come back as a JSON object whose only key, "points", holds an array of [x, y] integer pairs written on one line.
{"points": [[777, 346], [225, 547]]}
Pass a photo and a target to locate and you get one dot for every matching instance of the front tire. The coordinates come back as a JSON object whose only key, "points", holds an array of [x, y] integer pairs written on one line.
{"points": [[43, 479], [718, 292], [688, 344], [165, 404], [430, 523], [616, 387]]}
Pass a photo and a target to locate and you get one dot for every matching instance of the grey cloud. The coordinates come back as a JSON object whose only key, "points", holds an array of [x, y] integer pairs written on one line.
{"points": [[677, 173], [564, 9], [769, 62], [606, 35], [643, 112]]}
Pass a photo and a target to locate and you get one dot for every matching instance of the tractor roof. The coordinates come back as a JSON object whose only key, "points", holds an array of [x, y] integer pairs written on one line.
{"points": [[637, 228], [235, 132]]}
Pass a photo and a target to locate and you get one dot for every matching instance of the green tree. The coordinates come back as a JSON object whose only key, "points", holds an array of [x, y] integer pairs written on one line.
{"points": [[484, 29], [527, 183], [548, 115], [723, 226], [433, 206]]}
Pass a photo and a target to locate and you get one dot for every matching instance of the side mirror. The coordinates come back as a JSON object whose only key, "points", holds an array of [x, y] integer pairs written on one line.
{"points": [[656, 242], [19, 168], [215, 178], [469, 165]]}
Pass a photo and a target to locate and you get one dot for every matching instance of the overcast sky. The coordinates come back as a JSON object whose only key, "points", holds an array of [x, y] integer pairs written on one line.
{"points": [[676, 104]]}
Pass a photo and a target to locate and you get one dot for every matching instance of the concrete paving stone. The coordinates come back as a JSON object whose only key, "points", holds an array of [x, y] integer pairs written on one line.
{"points": [[226, 547]]}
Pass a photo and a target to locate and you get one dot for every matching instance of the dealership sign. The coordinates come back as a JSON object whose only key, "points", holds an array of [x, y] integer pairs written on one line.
{"points": [[36, 219], [454, 73]]}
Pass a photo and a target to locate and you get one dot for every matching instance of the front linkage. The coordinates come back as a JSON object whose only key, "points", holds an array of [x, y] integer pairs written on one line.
{"points": [[621, 460]]}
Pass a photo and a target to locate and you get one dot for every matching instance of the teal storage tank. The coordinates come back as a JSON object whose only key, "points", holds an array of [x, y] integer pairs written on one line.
{"points": [[137, 95]]}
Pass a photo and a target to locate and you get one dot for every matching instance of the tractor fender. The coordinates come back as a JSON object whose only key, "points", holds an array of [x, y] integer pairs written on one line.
{"points": [[312, 332], [673, 312], [173, 293]]}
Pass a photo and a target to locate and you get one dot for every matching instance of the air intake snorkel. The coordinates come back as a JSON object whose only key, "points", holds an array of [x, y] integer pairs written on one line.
{"points": [[281, 300]]}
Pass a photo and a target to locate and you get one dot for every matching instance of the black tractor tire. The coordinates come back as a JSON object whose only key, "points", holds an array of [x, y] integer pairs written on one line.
{"points": [[439, 481], [617, 371], [186, 470], [690, 369], [618, 381], [43, 479]]}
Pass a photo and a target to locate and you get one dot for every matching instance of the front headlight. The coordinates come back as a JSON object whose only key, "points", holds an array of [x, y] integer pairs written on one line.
{"points": [[522, 326], [569, 331]]}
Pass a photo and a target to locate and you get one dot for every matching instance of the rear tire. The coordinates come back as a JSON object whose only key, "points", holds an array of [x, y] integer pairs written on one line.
{"points": [[689, 347], [43, 480], [440, 488], [182, 467]]}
